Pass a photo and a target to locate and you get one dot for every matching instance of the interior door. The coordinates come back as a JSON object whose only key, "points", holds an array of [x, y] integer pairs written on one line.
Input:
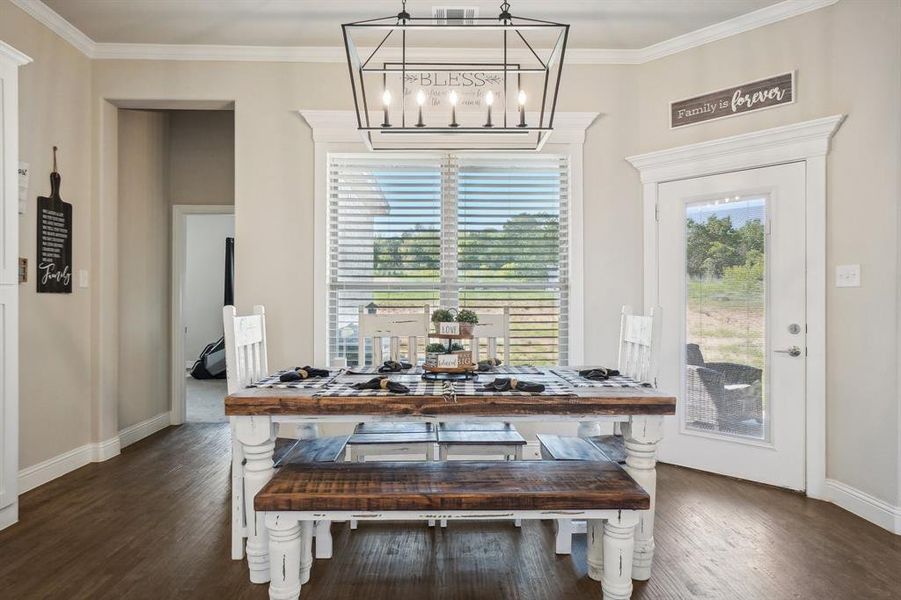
{"points": [[731, 281]]}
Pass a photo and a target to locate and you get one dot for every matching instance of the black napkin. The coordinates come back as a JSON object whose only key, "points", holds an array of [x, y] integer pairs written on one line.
{"points": [[301, 373], [391, 366], [506, 384], [598, 374], [382, 383], [489, 363]]}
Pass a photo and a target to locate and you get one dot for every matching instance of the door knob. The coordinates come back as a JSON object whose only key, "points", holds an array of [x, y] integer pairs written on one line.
{"points": [[791, 351]]}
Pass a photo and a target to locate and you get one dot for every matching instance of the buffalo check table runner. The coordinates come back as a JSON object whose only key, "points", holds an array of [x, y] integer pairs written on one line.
{"points": [[448, 389], [374, 370], [272, 381], [417, 388], [572, 377]]}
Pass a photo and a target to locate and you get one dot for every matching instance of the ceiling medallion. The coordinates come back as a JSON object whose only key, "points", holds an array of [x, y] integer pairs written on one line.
{"points": [[498, 91]]}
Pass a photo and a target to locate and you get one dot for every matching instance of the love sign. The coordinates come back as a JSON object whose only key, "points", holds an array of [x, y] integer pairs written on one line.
{"points": [[748, 97]]}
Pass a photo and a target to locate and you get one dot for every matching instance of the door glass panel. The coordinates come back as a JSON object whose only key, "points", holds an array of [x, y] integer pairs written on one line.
{"points": [[726, 256]]}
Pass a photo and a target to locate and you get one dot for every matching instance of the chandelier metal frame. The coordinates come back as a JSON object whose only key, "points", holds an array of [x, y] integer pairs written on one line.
{"points": [[513, 127]]}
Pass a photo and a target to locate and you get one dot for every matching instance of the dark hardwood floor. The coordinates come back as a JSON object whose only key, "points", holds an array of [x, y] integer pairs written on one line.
{"points": [[153, 523]]}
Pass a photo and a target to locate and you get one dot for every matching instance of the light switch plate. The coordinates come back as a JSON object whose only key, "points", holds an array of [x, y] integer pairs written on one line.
{"points": [[83, 278], [847, 276]]}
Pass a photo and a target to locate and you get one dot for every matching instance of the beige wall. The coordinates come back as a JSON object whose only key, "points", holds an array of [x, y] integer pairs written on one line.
{"points": [[848, 59], [143, 250], [201, 157], [54, 334]]}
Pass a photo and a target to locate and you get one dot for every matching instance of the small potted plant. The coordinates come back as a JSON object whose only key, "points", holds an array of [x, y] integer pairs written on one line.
{"points": [[467, 320], [443, 319]]}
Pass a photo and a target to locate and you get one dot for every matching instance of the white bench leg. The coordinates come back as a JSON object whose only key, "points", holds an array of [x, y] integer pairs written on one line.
{"points": [[237, 496], [619, 544], [595, 554], [563, 542], [257, 472], [306, 550], [285, 552], [323, 533]]}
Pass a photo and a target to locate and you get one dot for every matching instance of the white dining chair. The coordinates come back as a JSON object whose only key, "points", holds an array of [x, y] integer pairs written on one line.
{"points": [[639, 347], [393, 438], [497, 440], [247, 361]]}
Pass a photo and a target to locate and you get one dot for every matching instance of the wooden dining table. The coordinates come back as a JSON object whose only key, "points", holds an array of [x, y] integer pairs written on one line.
{"points": [[255, 414]]}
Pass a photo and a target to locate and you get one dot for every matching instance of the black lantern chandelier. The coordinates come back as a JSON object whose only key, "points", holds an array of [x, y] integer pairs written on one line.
{"points": [[495, 89]]}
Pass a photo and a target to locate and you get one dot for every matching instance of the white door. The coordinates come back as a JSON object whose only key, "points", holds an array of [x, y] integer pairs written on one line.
{"points": [[731, 282]]}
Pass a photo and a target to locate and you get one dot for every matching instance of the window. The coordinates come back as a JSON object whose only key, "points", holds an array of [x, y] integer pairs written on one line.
{"points": [[475, 231]]}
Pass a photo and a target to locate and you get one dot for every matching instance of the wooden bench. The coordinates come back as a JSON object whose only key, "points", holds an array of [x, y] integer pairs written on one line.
{"points": [[564, 448], [391, 439], [601, 492]]}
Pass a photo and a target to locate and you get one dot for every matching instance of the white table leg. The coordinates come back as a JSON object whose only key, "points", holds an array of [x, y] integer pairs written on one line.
{"points": [[285, 548], [323, 533], [256, 435], [563, 540], [306, 550], [595, 553], [237, 496], [642, 436], [619, 546]]}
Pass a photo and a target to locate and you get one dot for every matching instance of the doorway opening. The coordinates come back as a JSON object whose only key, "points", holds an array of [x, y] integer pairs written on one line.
{"points": [[171, 157]]}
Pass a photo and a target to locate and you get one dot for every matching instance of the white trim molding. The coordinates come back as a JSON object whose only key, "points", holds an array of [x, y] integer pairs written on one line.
{"points": [[61, 464], [864, 505], [336, 131], [177, 387], [806, 142], [18, 58], [336, 54]]}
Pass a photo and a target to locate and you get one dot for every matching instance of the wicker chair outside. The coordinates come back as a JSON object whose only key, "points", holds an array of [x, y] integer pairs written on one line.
{"points": [[710, 404]]}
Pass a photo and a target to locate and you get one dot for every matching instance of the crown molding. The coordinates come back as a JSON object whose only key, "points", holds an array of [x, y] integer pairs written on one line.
{"points": [[7, 51], [340, 126], [718, 31], [336, 54], [58, 25], [798, 141]]}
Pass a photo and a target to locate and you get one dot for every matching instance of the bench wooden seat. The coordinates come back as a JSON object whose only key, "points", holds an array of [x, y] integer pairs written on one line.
{"points": [[455, 485], [558, 447], [480, 426], [322, 449], [393, 427], [613, 446], [599, 491]]}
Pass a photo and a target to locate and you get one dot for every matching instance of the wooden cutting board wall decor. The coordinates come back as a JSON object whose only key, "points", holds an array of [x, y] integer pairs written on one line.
{"points": [[54, 225]]}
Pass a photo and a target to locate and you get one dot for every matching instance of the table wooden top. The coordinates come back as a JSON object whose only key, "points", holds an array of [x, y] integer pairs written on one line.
{"points": [[585, 401]]}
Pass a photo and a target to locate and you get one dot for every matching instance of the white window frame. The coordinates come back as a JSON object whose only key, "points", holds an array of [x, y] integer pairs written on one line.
{"points": [[335, 132]]}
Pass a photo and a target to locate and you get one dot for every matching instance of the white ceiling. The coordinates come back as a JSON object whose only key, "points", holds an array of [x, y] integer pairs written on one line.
{"points": [[615, 24]]}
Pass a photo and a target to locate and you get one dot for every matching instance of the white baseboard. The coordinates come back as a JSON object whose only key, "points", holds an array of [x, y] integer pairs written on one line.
{"points": [[57, 466], [9, 515], [864, 505], [139, 431]]}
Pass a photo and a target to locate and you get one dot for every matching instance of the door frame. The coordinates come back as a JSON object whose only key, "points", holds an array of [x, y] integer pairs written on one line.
{"points": [[806, 142], [180, 213]]}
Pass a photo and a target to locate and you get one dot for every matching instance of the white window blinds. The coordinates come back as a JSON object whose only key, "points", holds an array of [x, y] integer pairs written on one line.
{"points": [[482, 232]]}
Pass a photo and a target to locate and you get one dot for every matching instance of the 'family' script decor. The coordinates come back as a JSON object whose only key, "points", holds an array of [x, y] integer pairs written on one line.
{"points": [[765, 93], [54, 264]]}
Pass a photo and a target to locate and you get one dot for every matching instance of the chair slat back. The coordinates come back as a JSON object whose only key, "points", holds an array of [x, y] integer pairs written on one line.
{"points": [[393, 326], [490, 327], [246, 360], [639, 344]]}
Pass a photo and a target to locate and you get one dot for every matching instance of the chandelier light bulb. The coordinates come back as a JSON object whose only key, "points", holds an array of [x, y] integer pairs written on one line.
{"points": [[386, 98], [420, 97], [453, 101], [521, 98], [522, 109], [489, 98]]}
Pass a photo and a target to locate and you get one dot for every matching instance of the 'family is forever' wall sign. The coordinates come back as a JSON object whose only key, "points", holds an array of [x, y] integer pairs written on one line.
{"points": [[757, 95]]}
